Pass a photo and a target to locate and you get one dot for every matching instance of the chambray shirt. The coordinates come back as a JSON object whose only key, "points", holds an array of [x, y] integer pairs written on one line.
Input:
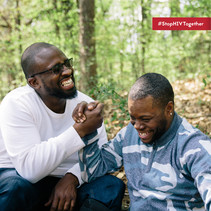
{"points": [[172, 174]]}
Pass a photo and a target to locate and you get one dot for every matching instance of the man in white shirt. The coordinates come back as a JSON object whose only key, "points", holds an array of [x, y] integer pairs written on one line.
{"points": [[39, 140]]}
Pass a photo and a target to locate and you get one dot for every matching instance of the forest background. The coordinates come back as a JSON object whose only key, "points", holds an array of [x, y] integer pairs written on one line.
{"points": [[112, 44]]}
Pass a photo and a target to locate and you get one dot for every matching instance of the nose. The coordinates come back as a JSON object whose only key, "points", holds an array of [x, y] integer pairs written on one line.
{"points": [[66, 70], [139, 125]]}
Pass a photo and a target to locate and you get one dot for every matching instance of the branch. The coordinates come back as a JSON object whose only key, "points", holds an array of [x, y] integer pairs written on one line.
{"points": [[8, 25]]}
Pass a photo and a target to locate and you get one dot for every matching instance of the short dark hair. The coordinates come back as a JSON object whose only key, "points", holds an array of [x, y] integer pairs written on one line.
{"points": [[28, 57], [155, 85]]}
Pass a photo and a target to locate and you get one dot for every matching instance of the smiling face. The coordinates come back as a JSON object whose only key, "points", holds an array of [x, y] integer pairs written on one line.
{"points": [[150, 119], [62, 85]]}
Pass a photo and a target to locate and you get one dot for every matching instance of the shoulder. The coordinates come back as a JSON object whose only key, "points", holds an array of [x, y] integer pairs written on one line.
{"points": [[25, 92], [187, 132], [19, 99], [192, 143]]}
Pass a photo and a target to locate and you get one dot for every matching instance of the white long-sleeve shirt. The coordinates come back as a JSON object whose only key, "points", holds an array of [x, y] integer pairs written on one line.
{"points": [[36, 141]]}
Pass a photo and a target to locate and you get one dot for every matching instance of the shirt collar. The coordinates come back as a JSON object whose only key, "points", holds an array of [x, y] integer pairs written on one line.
{"points": [[171, 132]]}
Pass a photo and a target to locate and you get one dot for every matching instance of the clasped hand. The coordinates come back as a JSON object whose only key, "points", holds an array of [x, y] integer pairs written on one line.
{"points": [[88, 117]]}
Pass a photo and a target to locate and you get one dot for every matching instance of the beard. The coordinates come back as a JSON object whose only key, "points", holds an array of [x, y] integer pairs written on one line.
{"points": [[160, 130], [58, 93]]}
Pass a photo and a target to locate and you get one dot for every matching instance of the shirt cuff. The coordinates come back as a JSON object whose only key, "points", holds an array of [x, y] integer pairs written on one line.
{"points": [[75, 170], [90, 138]]}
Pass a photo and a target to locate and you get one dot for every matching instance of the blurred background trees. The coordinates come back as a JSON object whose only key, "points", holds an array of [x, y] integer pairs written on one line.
{"points": [[112, 44], [111, 41]]}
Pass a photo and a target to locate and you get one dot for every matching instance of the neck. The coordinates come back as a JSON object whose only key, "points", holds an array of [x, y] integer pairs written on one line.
{"points": [[55, 104]]}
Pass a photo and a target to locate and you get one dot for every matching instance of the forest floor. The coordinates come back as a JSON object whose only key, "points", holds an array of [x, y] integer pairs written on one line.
{"points": [[192, 101]]}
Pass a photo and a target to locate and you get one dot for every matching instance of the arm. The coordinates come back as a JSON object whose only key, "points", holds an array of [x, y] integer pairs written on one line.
{"points": [[196, 163], [95, 161], [201, 171], [32, 157], [75, 170]]}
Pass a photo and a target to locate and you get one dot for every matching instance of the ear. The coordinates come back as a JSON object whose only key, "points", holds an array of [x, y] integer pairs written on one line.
{"points": [[169, 110], [33, 82]]}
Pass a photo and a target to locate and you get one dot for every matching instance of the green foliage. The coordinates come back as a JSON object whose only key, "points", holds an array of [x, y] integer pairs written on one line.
{"points": [[104, 93], [206, 80], [126, 46]]}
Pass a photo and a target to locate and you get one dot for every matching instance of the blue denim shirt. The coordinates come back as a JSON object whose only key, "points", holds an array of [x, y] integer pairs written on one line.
{"points": [[172, 174]]}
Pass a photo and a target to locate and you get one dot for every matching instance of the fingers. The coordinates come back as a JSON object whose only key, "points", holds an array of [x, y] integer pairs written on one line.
{"points": [[81, 108], [72, 205], [79, 119], [62, 203], [94, 120], [67, 205], [95, 116], [78, 113], [92, 105], [48, 203], [99, 107], [55, 204], [64, 206]]}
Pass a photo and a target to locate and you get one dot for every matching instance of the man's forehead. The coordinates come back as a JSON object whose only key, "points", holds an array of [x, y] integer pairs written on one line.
{"points": [[48, 54], [148, 98], [146, 101], [45, 51]]}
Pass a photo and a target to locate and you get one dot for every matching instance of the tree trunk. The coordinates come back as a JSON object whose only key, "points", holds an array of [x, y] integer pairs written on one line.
{"points": [[175, 12], [87, 44], [145, 27], [18, 25], [57, 28]]}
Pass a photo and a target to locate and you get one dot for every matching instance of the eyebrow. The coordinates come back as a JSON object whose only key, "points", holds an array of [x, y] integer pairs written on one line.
{"points": [[141, 117]]}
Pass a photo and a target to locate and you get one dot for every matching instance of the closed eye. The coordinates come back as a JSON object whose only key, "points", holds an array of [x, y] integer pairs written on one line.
{"points": [[56, 69], [146, 120], [132, 120]]}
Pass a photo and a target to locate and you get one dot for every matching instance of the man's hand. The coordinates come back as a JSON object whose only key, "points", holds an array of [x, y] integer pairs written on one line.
{"points": [[93, 119], [79, 111], [64, 195]]}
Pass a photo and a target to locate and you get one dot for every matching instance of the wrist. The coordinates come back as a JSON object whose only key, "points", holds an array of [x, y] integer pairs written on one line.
{"points": [[73, 179], [79, 130]]}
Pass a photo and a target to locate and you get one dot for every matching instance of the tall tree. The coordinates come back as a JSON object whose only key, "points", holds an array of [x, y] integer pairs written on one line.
{"points": [[57, 27], [88, 65], [175, 12], [18, 25], [146, 16]]}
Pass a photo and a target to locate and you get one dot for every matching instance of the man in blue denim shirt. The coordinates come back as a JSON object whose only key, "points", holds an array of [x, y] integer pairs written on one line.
{"points": [[167, 161]]}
